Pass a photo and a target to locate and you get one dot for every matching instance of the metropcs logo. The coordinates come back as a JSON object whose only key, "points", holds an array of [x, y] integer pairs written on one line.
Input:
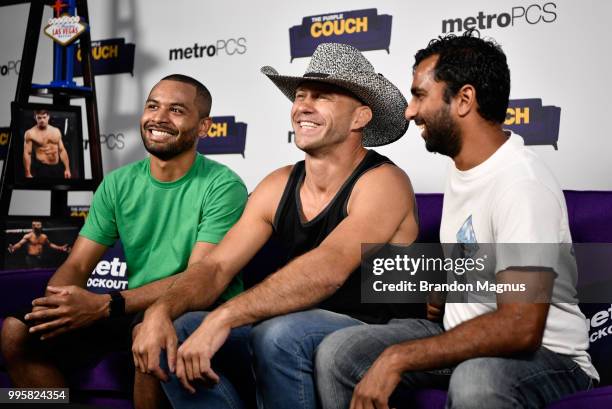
{"points": [[230, 47], [598, 320], [363, 29], [111, 56], [112, 141], [224, 136], [110, 272], [10, 66], [533, 14], [537, 124]]}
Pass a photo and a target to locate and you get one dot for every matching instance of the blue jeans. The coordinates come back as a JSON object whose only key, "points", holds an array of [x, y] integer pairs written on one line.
{"points": [[529, 381], [283, 356], [232, 363]]}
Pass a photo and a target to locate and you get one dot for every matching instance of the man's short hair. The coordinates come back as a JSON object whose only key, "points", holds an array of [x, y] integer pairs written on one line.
{"points": [[467, 59], [203, 97], [40, 112]]}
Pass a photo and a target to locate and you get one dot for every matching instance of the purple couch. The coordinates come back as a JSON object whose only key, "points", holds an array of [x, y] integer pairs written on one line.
{"points": [[108, 384]]}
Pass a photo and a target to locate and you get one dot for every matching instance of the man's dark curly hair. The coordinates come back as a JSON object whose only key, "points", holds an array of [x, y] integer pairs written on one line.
{"points": [[467, 59]]}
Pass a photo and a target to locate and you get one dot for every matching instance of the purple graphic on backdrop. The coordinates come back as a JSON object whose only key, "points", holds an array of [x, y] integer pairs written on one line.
{"points": [[5, 134], [224, 136], [537, 124], [363, 29], [112, 56]]}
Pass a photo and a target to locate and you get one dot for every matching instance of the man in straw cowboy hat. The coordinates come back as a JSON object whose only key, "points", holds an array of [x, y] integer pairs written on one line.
{"points": [[321, 209]]}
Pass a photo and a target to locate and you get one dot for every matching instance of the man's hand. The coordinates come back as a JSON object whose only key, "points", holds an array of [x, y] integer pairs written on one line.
{"points": [[435, 312], [195, 354], [11, 248], [67, 308], [67, 174], [377, 384], [65, 248], [155, 333]]}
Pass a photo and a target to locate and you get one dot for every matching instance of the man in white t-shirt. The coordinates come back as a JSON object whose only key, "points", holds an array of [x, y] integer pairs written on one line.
{"points": [[505, 353]]}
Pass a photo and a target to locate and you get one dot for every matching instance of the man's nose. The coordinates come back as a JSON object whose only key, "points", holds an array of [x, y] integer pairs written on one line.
{"points": [[160, 115], [304, 104], [411, 111]]}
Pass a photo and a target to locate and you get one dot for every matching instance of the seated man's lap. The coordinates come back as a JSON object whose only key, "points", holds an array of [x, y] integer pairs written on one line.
{"points": [[232, 363], [306, 328], [534, 379], [351, 351], [82, 347], [309, 326], [541, 377]]}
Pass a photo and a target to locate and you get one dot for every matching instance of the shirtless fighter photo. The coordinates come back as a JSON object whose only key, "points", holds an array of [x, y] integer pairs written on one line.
{"points": [[36, 241], [44, 155]]}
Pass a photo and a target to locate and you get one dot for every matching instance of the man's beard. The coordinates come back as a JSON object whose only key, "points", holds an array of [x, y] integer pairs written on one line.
{"points": [[171, 149], [37, 232], [442, 134]]}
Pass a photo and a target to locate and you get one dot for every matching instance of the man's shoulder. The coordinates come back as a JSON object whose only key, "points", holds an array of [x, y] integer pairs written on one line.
{"points": [[53, 129], [215, 171], [129, 170], [126, 175], [385, 177], [276, 180]]}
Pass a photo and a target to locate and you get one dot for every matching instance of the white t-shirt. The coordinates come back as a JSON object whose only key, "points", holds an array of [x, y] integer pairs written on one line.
{"points": [[512, 197]]}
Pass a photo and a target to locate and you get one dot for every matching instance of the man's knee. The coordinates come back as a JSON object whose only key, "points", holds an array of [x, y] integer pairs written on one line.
{"points": [[335, 355], [477, 380], [276, 335], [13, 338], [187, 323]]}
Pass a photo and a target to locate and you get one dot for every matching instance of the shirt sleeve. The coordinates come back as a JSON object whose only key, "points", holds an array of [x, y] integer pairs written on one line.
{"points": [[221, 210], [528, 225], [101, 224]]}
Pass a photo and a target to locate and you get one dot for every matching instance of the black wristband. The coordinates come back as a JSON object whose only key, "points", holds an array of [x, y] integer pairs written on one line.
{"points": [[117, 304]]}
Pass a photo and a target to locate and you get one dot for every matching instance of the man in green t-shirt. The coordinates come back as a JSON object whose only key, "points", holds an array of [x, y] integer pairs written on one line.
{"points": [[169, 210]]}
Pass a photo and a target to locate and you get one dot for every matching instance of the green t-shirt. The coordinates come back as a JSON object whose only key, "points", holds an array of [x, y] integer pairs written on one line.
{"points": [[159, 222]]}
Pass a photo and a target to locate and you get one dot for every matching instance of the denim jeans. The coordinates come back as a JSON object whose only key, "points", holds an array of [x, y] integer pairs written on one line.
{"points": [[530, 381], [232, 363], [284, 350]]}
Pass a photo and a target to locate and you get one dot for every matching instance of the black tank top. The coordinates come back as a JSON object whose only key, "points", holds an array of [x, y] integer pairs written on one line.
{"points": [[299, 237]]}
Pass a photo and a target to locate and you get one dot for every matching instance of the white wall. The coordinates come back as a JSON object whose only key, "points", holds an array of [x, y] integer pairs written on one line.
{"points": [[564, 62]]}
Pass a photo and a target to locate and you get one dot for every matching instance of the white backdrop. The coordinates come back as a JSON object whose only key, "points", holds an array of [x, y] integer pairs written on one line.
{"points": [[564, 61]]}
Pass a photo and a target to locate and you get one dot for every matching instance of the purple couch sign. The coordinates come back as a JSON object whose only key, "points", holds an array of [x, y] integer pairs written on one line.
{"points": [[537, 124], [363, 29], [5, 134], [111, 56], [224, 136]]}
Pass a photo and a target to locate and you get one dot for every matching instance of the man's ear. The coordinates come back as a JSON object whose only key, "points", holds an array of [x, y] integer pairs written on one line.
{"points": [[363, 117], [204, 126], [465, 100]]}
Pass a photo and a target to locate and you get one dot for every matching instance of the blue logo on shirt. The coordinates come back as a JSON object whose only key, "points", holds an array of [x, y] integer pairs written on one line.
{"points": [[466, 239]]}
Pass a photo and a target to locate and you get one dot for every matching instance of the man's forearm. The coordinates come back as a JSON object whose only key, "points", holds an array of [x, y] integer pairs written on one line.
{"points": [[197, 288], [68, 274], [27, 164], [301, 284], [64, 158], [490, 334], [141, 298]]}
